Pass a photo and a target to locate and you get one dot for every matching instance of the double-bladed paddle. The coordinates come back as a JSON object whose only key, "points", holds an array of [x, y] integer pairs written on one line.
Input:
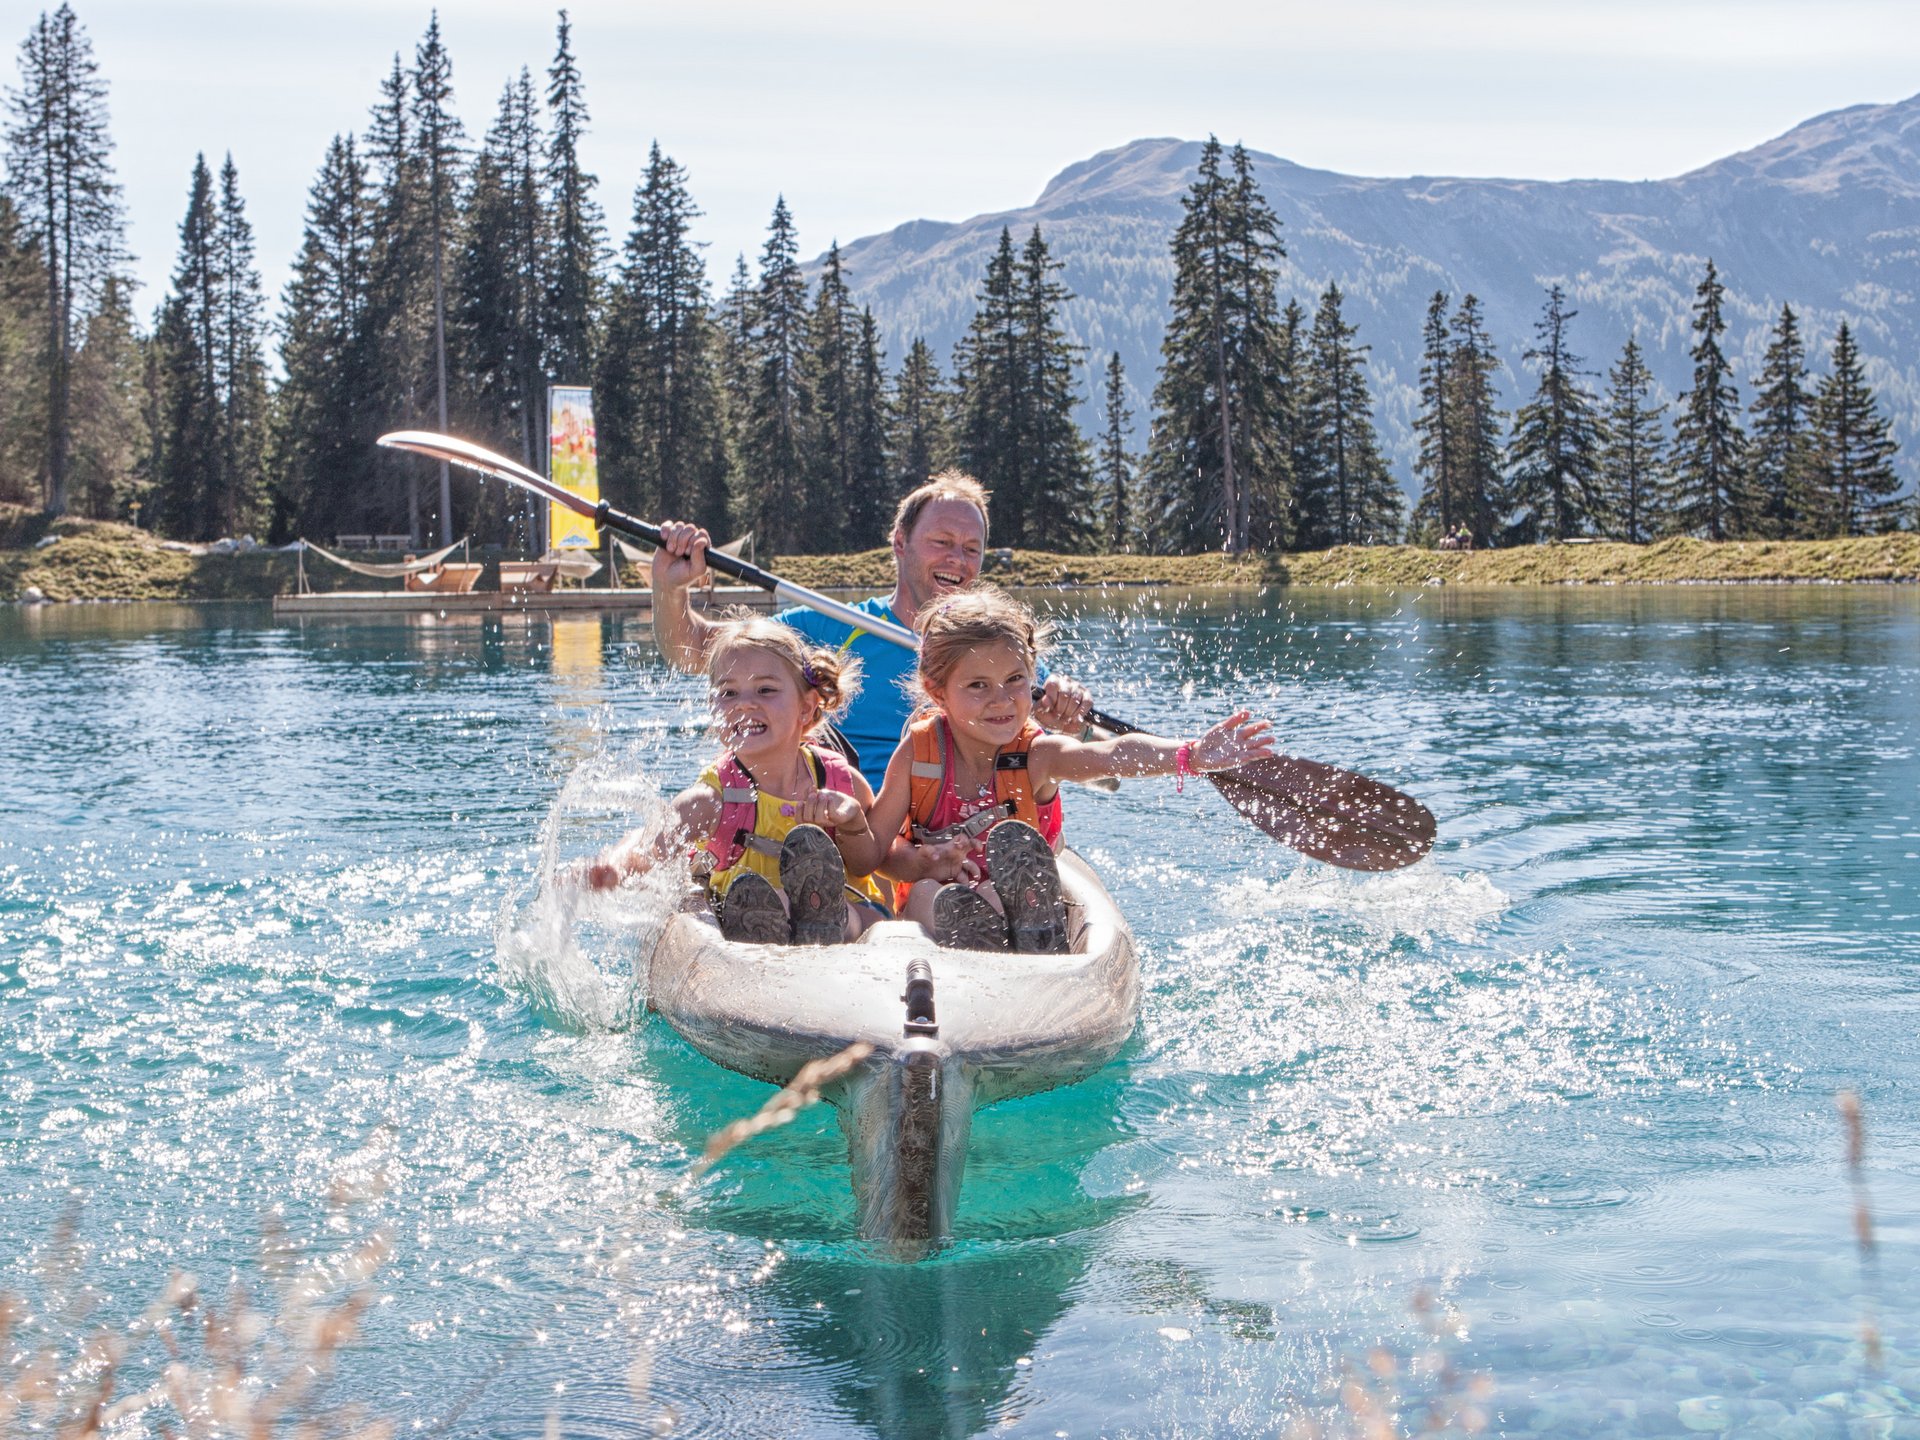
{"points": [[1320, 810]]}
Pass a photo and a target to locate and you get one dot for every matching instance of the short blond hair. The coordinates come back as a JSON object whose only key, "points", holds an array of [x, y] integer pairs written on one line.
{"points": [[947, 485], [968, 620], [832, 675]]}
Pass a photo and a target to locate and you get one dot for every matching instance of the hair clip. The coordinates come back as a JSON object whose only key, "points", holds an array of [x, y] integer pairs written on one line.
{"points": [[810, 675]]}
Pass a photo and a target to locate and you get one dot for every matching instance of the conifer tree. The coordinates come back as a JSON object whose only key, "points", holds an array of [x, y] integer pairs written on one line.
{"points": [[577, 226], [1116, 463], [23, 339], [1348, 497], [498, 289], [187, 490], [1555, 452], [60, 179], [1296, 436], [832, 335], [325, 416], [993, 399], [109, 458], [658, 397], [1440, 503], [1781, 450], [239, 364], [1856, 448], [1633, 461], [1218, 454], [870, 480], [733, 319], [922, 410], [1709, 488], [1059, 500], [1476, 423], [779, 415], [440, 136]]}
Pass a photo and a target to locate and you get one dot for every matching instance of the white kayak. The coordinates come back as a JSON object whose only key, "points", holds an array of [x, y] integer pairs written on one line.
{"points": [[993, 1026]]}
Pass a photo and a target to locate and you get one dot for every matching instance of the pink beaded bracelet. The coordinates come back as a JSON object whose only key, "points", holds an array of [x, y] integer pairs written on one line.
{"points": [[1182, 766]]}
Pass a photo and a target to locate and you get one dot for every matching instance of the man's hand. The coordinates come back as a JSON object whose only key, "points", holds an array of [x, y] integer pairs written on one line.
{"points": [[1063, 705], [681, 560]]}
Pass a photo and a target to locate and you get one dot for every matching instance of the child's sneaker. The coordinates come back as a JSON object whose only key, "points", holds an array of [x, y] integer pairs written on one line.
{"points": [[751, 912], [815, 879], [1027, 879], [963, 920]]}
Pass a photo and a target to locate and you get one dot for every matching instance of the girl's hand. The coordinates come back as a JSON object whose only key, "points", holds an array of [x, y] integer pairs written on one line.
{"points": [[831, 810], [1236, 740], [947, 860]]}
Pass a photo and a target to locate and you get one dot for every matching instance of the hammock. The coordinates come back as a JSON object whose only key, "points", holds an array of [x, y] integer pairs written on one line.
{"points": [[392, 571]]}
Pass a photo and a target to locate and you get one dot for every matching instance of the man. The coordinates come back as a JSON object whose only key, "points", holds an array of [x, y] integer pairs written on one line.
{"points": [[939, 538]]}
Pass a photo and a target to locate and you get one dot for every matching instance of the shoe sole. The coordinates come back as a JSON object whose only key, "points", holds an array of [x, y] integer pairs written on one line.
{"points": [[1027, 879], [963, 920], [815, 879], [751, 912]]}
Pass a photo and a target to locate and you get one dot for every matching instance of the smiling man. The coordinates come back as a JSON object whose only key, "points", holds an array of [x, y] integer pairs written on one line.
{"points": [[939, 538]]}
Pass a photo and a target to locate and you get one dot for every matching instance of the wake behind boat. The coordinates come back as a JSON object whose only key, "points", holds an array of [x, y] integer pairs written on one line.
{"points": [[952, 1030]]}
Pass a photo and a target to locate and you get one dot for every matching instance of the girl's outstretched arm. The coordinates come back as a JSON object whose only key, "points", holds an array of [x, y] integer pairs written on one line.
{"points": [[885, 816], [1236, 740], [691, 814]]}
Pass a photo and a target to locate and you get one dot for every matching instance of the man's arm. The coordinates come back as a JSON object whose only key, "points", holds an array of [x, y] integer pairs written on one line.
{"points": [[679, 564]]}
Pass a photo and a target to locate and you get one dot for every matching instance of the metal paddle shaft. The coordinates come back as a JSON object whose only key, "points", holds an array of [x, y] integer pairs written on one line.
{"points": [[1320, 810]]}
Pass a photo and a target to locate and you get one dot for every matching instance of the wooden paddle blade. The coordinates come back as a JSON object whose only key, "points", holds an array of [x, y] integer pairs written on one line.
{"points": [[1329, 813]]}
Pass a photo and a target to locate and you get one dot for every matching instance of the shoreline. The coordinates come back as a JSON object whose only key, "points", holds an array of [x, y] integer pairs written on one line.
{"points": [[104, 560]]}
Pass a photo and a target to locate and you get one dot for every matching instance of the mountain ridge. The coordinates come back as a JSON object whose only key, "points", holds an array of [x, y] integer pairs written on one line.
{"points": [[1825, 216]]}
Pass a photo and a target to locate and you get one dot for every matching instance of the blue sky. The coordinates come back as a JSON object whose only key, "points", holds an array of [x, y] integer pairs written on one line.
{"points": [[869, 114]]}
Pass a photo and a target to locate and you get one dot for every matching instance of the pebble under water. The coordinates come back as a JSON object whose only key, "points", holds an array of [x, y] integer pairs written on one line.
{"points": [[1540, 1136]]}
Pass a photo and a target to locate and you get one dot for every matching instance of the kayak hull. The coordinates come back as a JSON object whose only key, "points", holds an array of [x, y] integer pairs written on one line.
{"points": [[1003, 1026]]}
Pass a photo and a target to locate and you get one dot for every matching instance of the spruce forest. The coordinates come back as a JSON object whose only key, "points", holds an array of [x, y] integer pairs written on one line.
{"points": [[445, 279]]}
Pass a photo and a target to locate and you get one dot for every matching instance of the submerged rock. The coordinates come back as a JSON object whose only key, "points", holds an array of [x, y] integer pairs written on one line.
{"points": [[1706, 1413]]}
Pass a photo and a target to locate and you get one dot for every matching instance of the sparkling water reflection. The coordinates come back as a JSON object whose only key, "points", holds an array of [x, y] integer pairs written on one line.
{"points": [[1544, 1126]]}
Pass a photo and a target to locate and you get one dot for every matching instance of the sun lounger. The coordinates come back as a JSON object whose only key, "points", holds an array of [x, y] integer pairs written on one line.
{"points": [[527, 577], [446, 579]]}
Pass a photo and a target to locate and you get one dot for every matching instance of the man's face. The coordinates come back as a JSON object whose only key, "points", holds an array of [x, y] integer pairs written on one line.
{"points": [[942, 554]]}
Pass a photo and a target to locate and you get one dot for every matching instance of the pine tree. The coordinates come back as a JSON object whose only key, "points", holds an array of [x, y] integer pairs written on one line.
{"points": [[659, 402], [992, 404], [1440, 503], [869, 506], [1781, 452], [325, 422], [1348, 498], [1296, 436], [1476, 423], [922, 409], [832, 333], [1709, 489], [1856, 448], [1555, 452], [578, 228], [1633, 461], [499, 283], [1116, 463], [779, 408], [60, 179], [239, 364], [734, 320], [1059, 500], [109, 457], [440, 137], [1217, 455], [187, 499], [23, 337]]}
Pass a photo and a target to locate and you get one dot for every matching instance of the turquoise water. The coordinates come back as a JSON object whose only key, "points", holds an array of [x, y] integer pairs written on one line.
{"points": [[1544, 1127]]}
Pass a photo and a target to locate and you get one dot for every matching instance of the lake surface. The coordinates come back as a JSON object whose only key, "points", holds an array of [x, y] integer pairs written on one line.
{"points": [[1544, 1128]]}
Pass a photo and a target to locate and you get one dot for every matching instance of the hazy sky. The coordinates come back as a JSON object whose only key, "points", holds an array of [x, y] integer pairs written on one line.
{"points": [[869, 114]]}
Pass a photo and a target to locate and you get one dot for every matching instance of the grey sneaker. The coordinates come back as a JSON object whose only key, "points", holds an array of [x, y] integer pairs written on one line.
{"points": [[751, 912], [815, 879], [963, 920], [1027, 877]]}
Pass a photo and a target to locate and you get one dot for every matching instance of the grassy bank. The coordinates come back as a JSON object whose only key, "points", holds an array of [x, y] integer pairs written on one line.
{"points": [[101, 560]]}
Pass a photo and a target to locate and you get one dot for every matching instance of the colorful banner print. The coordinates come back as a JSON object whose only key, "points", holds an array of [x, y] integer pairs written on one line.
{"points": [[573, 464]]}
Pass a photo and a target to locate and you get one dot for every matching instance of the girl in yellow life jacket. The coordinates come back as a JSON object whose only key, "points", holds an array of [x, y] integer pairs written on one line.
{"points": [[968, 817], [769, 818]]}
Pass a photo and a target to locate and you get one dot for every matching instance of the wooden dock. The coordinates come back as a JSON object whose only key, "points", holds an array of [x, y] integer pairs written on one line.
{"points": [[638, 602]]}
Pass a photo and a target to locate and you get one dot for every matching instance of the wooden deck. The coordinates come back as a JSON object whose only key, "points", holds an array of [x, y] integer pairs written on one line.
{"points": [[482, 602]]}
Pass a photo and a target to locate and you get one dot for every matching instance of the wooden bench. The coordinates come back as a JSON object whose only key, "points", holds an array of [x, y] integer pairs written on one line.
{"points": [[527, 577], [446, 579], [353, 542], [392, 542]]}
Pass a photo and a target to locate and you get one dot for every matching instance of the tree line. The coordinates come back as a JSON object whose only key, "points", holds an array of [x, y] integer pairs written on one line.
{"points": [[444, 282]]}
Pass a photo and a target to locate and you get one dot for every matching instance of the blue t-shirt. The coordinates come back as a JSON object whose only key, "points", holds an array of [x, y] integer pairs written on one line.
{"points": [[878, 716]]}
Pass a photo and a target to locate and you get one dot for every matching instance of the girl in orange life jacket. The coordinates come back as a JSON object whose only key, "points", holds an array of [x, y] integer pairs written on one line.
{"points": [[770, 817], [973, 791]]}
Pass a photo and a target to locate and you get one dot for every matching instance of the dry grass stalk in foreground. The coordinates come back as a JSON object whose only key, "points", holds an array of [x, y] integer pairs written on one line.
{"points": [[800, 1092], [224, 1369], [1373, 1406], [1853, 1116]]}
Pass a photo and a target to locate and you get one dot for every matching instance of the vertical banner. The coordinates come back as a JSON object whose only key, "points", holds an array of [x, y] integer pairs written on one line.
{"points": [[573, 464]]}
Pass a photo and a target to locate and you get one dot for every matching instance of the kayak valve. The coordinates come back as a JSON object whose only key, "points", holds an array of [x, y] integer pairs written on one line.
{"points": [[919, 998]]}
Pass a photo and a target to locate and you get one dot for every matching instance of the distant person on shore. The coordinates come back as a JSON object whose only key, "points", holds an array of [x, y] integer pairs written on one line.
{"points": [[939, 537]]}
